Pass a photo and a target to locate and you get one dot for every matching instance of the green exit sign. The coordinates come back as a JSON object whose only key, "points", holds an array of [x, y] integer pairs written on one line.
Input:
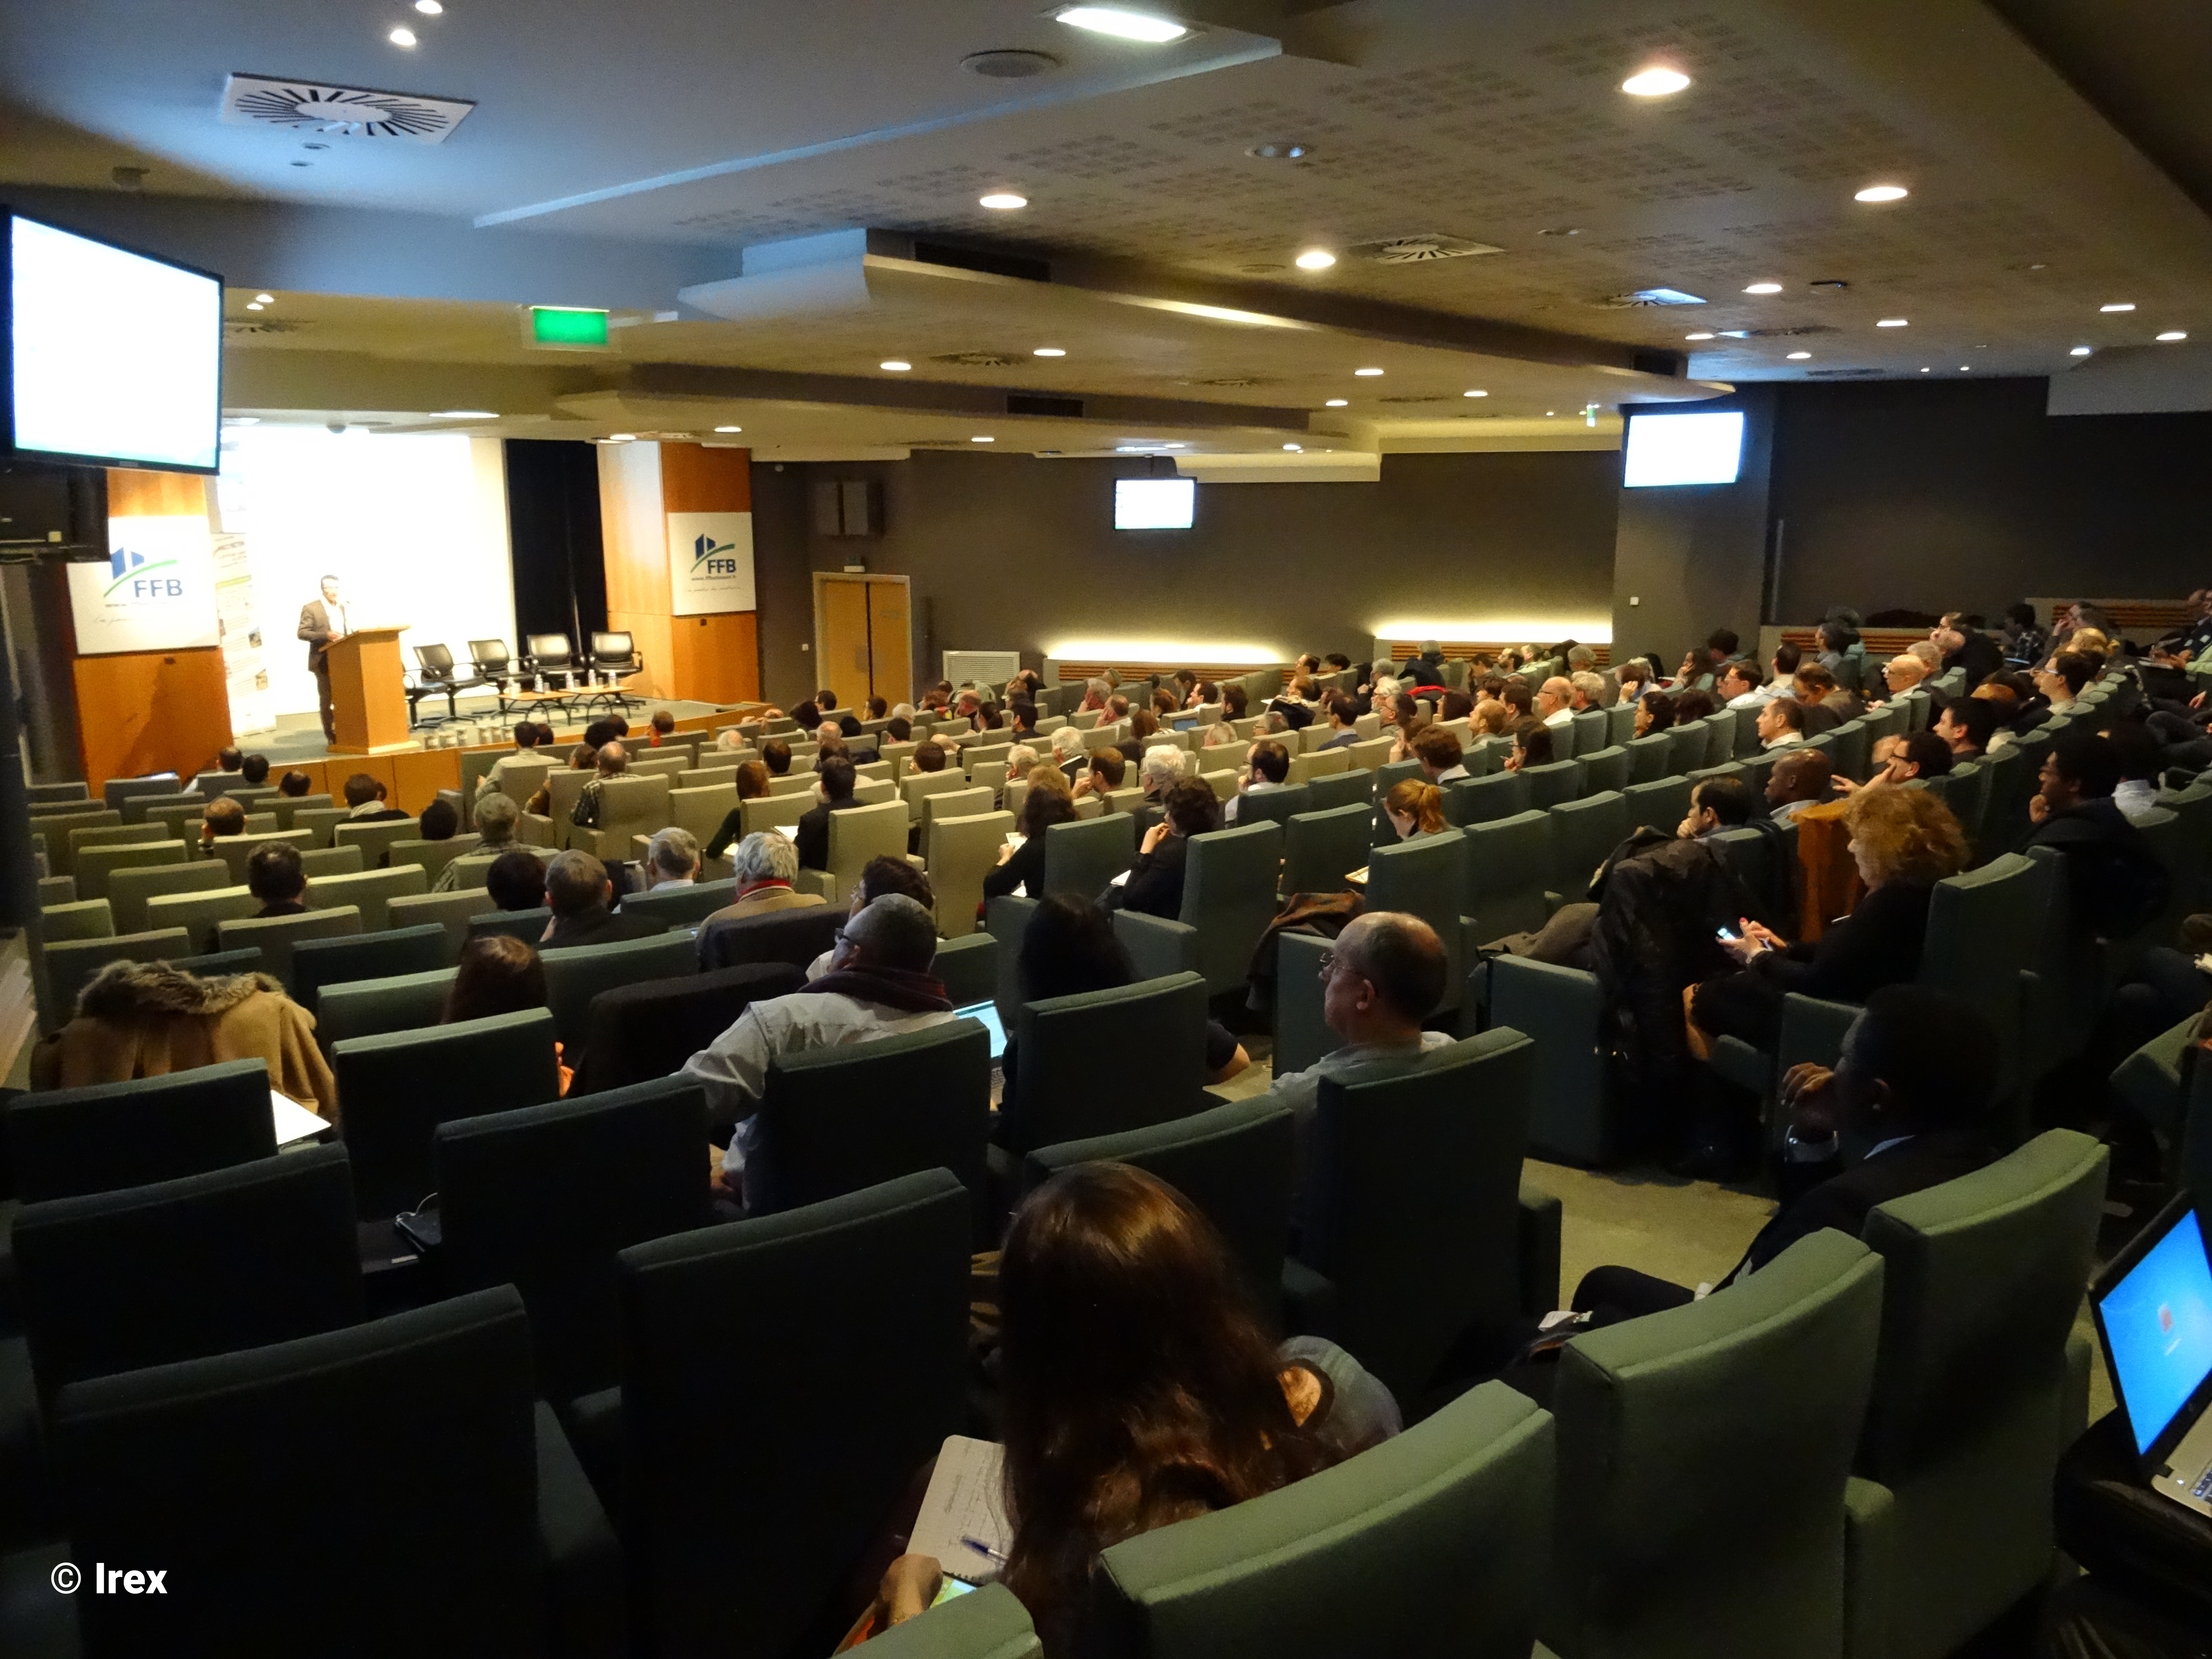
{"points": [[566, 325]]}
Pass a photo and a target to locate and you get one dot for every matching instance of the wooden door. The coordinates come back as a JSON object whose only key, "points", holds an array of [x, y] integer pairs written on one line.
{"points": [[840, 631], [891, 648]]}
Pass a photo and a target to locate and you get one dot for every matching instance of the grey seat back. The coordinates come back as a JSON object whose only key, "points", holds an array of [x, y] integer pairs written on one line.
{"points": [[1060, 1092], [1229, 896], [1084, 854]]}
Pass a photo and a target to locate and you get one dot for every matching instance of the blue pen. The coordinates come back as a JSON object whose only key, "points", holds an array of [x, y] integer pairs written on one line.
{"points": [[985, 1550]]}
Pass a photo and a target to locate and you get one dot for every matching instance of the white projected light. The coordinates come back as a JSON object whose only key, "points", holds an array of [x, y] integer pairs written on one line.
{"points": [[112, 357], [1683, 449], [1154, 503]]}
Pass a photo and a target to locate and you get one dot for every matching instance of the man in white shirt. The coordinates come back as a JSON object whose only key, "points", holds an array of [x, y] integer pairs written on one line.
{"points": [[1782, 724], [1740, 685], [1555, 700], [1266, 769], [878, 985]]}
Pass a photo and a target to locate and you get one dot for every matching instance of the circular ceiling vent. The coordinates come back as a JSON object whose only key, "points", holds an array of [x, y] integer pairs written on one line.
{"points": [[340, 112], [1009, 65], [983, 359]]}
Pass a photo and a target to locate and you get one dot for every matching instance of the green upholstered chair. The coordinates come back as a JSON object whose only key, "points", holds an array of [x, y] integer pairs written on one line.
{"points": [[1319, 849], [833, 1448], [1564, 739], [1353, 786], [1571, 1118], [1411, 1221], [1082, 857], [85, 919], [1388, 777], [1229, 896], [628, 806], [330, 861], [1468, 801], [1662, 804], [322, 822], [856, 835], [1721, 729], [71, 789], [835, 1121], [1550, 784], [1582, 833], [1427, 879], [374, 837], [1986, 929], [1593, 732], [285, 806], [200, 911], [231, 851], [1060, 1092], [1982, 1381], [1849, 754], [369, 1007], [1764, 861], [318, 962], [452, 911], [1274, 805], [961, 853], [91, 864], [2150, 1079], [1706, 1504], [1302, 1035], [63, 1142], [1650, 758], [682, 906], [276, 936], [1691, 747], [544, 1197], [1432, 1542], [71, 963], [372, 890], [151, 805], [394, 1091], [989, 1624], [433, 855], [968, 968], [1233, 1162], [575, 974], [57, 890], [56, 827], [129, 890], [1604, 769], [1508, 875], [119, 835], [1157, 947]]}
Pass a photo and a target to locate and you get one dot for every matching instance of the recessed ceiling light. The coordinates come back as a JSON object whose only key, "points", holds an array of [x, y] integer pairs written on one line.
{"points": [[1315, 258], [1561, 230], [895, 365], [1924, 371], [2122, 305], [429, 8], [1705, 335], [1882, 193], [466, 415], [1279, 150], [982, 439], [1048, 351], [1123, 24], [401, 37], [2079, 352], [1799, 356], [1002, 201], [1763, 288], [1657, 82], [1367, 373], [1337, 403], [1549, 413], [1894, 322], [264, 299], [2172, 334], [1965, 368], [1295, 449], [253, 304], [729, 428], [1474, 394], [622, 437]]}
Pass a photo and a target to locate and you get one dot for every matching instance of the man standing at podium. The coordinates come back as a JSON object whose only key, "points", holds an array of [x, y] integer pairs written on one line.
{"points": [[322, 621]]}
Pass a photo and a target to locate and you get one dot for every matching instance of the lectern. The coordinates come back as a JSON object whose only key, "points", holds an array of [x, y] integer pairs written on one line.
{"points": [[368, 696]]}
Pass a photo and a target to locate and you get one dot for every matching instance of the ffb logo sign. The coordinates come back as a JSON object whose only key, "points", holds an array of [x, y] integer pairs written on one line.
{"points": [[710, 562], [155, 592], [138, 577], [711, 558]]}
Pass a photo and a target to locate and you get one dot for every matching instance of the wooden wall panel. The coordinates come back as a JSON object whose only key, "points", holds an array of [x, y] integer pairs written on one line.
{"points": [[422, 774], [631, 528], [650, 629], [134, 495], [697, 479], [712, 659], [717, 658], [151, 711]]}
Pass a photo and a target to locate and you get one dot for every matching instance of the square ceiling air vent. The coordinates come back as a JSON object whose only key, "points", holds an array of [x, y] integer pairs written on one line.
{"points": [[1421, 249], [264, 100]]}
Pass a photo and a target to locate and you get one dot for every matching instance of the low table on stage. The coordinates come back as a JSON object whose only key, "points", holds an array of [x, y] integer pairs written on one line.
{"points": [[368, 695]]}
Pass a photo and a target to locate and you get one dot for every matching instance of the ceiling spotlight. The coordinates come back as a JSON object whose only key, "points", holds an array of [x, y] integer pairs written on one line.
{"points": [[895, 365], [1657, 82], [729, 428], [1799, 356], [1002, 201], [983, 439], [1882, 193], [1705, 335], [1123, 24], [466, 415], [253, 304], [401, 37], [622, 437], [1892, 322], [2170, 335], [2122, 305], [1474, 394], [1337, 403], [1923, 370], [1763, 288], [1295, 449], [1048, 351], [1965, 368], [2079, 352], [264, 299], [429, 8], [1281, 151], [1367, 373], [1315, 258]]}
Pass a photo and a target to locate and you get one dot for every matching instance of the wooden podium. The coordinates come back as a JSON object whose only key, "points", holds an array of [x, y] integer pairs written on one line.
{"points": [[368, 696]]}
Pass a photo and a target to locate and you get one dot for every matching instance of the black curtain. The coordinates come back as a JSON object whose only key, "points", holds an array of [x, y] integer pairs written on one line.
{"points": [[553, 528]]}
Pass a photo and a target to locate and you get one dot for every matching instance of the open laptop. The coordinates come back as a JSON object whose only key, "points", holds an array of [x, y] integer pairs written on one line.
{"points": [[987, 1015], [2154, 1311]]}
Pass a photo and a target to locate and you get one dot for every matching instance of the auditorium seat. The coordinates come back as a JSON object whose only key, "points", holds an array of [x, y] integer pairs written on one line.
{"points": [[1582, 832], [681, 906], [1081, 859], [452, 911], [231, 851], [1550, 784], [397, 950], [1061, 1092], [1661, 803], [1229, 896], [320, 821], [968, 968], [286, 806], [1468, 801], [989, 1624], [85, 919], [433, 855], [64, 1142], [575, 973], [794, 936], [856, 835], [959, 852], [628, 806], [1705, 1501], [1445, 1527], [374, 838], [1319, 849], [367, 1007], [1353, 787], [371, 890], [1427, 879], [276, 936], [71, 963], [645, 1031], [55, 828], [91, 864], [776, 811]]}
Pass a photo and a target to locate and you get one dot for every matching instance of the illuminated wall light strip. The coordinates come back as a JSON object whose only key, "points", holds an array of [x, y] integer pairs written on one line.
{"points": [[1227, 653], [1541, 630]]}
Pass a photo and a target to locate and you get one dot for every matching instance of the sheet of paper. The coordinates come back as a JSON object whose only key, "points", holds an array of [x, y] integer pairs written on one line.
{"points": [[963, 1509], [293, 1121], [1121, 880]]}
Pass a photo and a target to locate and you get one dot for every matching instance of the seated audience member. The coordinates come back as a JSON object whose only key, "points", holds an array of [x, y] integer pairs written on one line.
{"points": [[275, 876], [606, 730], [1740, 684], [1335, 663], [1491, 718], [1094, 693], [1902, 674], [1272, 724], [835, 792], [880, 875], [899, 728], [1415, 809], [1142, 728], [1049, 801], [516, 880], [1655, 712], [582, 758], [294, 785], [1904, 841], [806, 715], [1844, 655], [497, 815], [1167, 700], [1971, 649], [1931, 660], [1220, 735], [1967, 724], [1141, 1389], [764, 864], [752, 785], [1022, 760], [1267, 770], [2140, 763], [879, 709], [730, 739], [1913, 1085], [1233, 702], [659, 728], [1782, 724], [1456, 706], [776, 755], [1070, 753], [1161, 770], [1296, 704], [136, 1019], [671, 859], [1693, 705], [1900, 760], [2064, 679], [1155, 884], [440, 821], [253, 770], [364, 799], [878, 985], [611, 761], [1381, 981], [1801, 778], [1635, 679], [1105, 770], [1555, 699], [1532, 746], [229, 760], [928, 757], [1589, 688], [1439, 753], [1824, 706], [224, 817], [1204, 695], [2116, 881], [2024, 641], [828, 741], [498, 975], [1343, 719], [582, 897]]}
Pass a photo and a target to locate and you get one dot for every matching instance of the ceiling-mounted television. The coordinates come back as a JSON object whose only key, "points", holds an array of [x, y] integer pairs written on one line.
{"points": [[112, 357], [1683, 449], [1154, 503]]}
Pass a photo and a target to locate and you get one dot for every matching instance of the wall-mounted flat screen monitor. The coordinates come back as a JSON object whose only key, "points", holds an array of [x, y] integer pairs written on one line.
{"points": [[1154, 503], [1683, 449], [112, 357]]}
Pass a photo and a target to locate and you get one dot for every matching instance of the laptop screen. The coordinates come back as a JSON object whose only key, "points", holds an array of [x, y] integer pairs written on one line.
{"points": [[986, 1014], [1190, 724], [2157, 1322]]}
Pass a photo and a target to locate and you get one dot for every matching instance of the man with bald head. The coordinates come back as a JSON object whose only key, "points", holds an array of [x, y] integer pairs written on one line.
{"points": [[1908, 672], [1801, 778], [1555, 700]]}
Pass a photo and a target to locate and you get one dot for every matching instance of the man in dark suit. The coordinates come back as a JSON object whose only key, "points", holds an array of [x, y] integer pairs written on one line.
{"points": [[322, 621], [582, 897], [836, 774], [2116, 883]]}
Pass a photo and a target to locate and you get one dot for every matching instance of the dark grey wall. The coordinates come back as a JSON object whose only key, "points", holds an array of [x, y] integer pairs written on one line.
{"points": [[1009, 552]]}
